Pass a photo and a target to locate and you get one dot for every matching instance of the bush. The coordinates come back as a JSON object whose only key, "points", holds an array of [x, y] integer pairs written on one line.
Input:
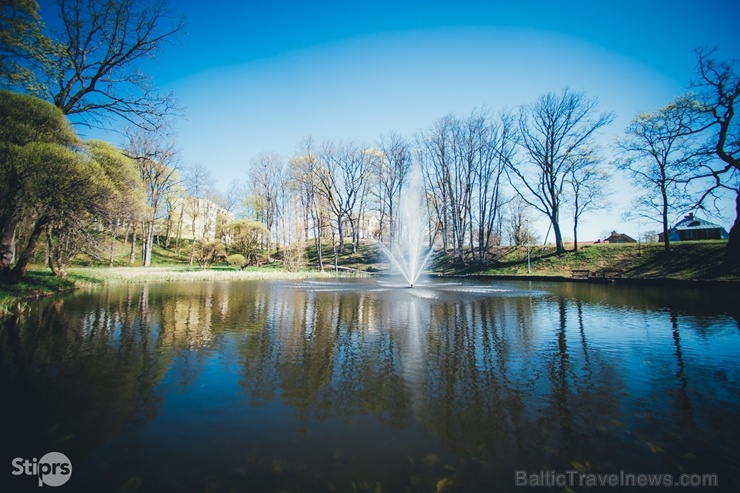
{"points": [[237, 260]]}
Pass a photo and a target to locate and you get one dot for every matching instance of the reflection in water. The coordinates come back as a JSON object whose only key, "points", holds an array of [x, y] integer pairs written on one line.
{"points": [[358, 385]]}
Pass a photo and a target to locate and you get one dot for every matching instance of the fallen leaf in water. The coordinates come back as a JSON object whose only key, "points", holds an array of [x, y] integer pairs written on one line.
{"points": [[131, 486], [430, 459], [443, 485], [656, 449]]}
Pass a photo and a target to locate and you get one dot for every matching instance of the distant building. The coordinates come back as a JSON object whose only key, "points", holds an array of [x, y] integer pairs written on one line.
{"points": [[618, 238], [196, 218], [694, 228]]}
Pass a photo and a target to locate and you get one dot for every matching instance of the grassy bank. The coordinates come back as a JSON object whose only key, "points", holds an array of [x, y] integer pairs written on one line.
{"points": [[40, 282], [698, 260]]}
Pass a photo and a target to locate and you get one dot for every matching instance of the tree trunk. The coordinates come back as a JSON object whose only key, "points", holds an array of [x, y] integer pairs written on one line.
{"points": [[317, 239], [559, 247], [334, 250], [132, 255], [50, 251], [318, 253], [555, 220], [7, 243], [147, 247], [341, 234], [575, 233], [22, 266], [732, 251], [355, 236], [178, 240], [56, 262], [666, 239], [112, 243]]}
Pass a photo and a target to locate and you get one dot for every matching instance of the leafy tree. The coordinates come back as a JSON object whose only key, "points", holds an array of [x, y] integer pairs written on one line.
{"points": [[660, 153], [247, 238], [553, 132], [65, 189], [32, 132], [127, 202], [208, 252], [23, 47], [237, 260]]}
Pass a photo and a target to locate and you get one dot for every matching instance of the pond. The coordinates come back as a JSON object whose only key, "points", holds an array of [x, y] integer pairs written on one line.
{"points": [[365, 385]]}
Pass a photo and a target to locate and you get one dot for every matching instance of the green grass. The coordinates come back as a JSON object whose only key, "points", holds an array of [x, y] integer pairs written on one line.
{"points": [[35, 284], [691, 260], [698, 260], [367, 258]]}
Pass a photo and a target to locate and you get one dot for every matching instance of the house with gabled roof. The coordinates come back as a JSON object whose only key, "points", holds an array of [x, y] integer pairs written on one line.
{"points": [[695, 228], [615, 237]]}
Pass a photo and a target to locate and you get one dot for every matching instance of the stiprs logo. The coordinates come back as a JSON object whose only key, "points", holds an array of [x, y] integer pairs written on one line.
{"points": [[53, 469]]}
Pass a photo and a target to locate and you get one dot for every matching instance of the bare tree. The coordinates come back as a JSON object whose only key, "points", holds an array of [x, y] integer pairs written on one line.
{"points": [[303, 180], [392, 174], [96, 74], [265, 183], [198, 183], [718, 93], [494, 148], [553, 132], [588, 183], [233, 196], [447, 156], [659, 153], [519, 229], [434, 155], [157, 162], [341, 178]]}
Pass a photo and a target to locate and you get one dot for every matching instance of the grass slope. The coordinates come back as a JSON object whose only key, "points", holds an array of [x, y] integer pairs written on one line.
{"points": [[697, 260]]}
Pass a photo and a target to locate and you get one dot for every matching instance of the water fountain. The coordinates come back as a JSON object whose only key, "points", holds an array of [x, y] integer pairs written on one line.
{"points": [[408, 255]]}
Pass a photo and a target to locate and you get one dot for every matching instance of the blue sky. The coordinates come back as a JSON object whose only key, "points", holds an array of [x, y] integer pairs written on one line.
{"points": [[260, 76]]}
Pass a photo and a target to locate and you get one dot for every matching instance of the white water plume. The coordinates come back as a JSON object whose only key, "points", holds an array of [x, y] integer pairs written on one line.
{"points": [[408, 255]]}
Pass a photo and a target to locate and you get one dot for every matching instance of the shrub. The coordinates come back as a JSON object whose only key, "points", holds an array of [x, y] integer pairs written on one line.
{"points": [[237, 260]]}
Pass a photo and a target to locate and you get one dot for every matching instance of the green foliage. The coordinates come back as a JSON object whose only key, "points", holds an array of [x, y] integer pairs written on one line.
{"points": [[237, 260], [247, 238], [23, 47], [128, 196], [208, 252], [50, 183], [25, 119]]}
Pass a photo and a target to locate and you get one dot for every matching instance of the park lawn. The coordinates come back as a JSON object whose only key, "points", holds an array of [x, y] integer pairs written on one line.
{"points": [[690, 260]]}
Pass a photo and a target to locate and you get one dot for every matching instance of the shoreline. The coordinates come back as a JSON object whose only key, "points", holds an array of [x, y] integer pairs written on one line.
{"points": [[91, 277], [641, 281]]}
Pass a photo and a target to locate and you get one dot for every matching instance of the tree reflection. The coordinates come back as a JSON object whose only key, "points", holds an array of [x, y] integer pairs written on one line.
{"points": [[479, 384], [75, 370]]}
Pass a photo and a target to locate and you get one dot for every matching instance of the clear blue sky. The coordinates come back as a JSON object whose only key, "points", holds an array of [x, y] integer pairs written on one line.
{"points": [[260, 76]]}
